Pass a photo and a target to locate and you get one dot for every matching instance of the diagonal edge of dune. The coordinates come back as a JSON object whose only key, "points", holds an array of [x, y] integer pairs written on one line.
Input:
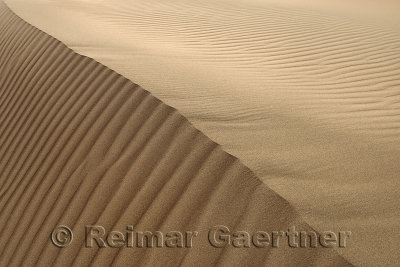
{"points": [[82, 145]]}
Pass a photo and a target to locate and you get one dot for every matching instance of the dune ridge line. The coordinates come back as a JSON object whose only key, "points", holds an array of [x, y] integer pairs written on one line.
{"points": [[82, 145]]}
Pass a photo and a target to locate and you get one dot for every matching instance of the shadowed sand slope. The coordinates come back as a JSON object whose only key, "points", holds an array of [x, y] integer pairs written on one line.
{"points": [[306, 93], [82, 145]]}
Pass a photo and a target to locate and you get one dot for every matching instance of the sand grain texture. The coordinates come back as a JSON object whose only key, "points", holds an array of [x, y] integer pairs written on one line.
{"points": [[305, 93], [82, 145]]}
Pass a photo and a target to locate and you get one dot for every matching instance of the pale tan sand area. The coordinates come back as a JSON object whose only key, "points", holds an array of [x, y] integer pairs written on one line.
{"points": [[81, 145], [304, 93]]}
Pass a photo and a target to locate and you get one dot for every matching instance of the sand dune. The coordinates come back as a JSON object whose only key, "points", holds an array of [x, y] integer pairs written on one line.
{"points": [[82, 145], [305, 93]]}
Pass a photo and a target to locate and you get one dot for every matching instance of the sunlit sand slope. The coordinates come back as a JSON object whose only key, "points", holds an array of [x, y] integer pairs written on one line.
{"points": [[306, 93], [82, 145]]}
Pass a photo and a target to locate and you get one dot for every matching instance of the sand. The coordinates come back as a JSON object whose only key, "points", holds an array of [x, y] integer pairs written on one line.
{"points": [[82, 145], [304, 93]]}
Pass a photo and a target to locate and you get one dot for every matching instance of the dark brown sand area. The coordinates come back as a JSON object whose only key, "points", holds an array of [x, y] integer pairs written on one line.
{"points": [[301, 96], [82, 145]]}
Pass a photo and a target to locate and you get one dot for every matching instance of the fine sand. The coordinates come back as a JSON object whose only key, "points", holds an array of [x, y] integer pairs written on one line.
{"points": [[304, 93], [82, 145]]}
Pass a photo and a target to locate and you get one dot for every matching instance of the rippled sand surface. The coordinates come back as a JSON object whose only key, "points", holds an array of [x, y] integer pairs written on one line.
{"points": [[304, 93]]}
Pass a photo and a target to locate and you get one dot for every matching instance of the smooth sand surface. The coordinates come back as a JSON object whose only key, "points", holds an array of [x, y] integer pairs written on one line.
{"points": [[304, 93], [82, 145]]}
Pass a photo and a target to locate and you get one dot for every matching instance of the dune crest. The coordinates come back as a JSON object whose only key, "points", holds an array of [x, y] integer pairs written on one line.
{"points": [[82, 145], [304, 92]]}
